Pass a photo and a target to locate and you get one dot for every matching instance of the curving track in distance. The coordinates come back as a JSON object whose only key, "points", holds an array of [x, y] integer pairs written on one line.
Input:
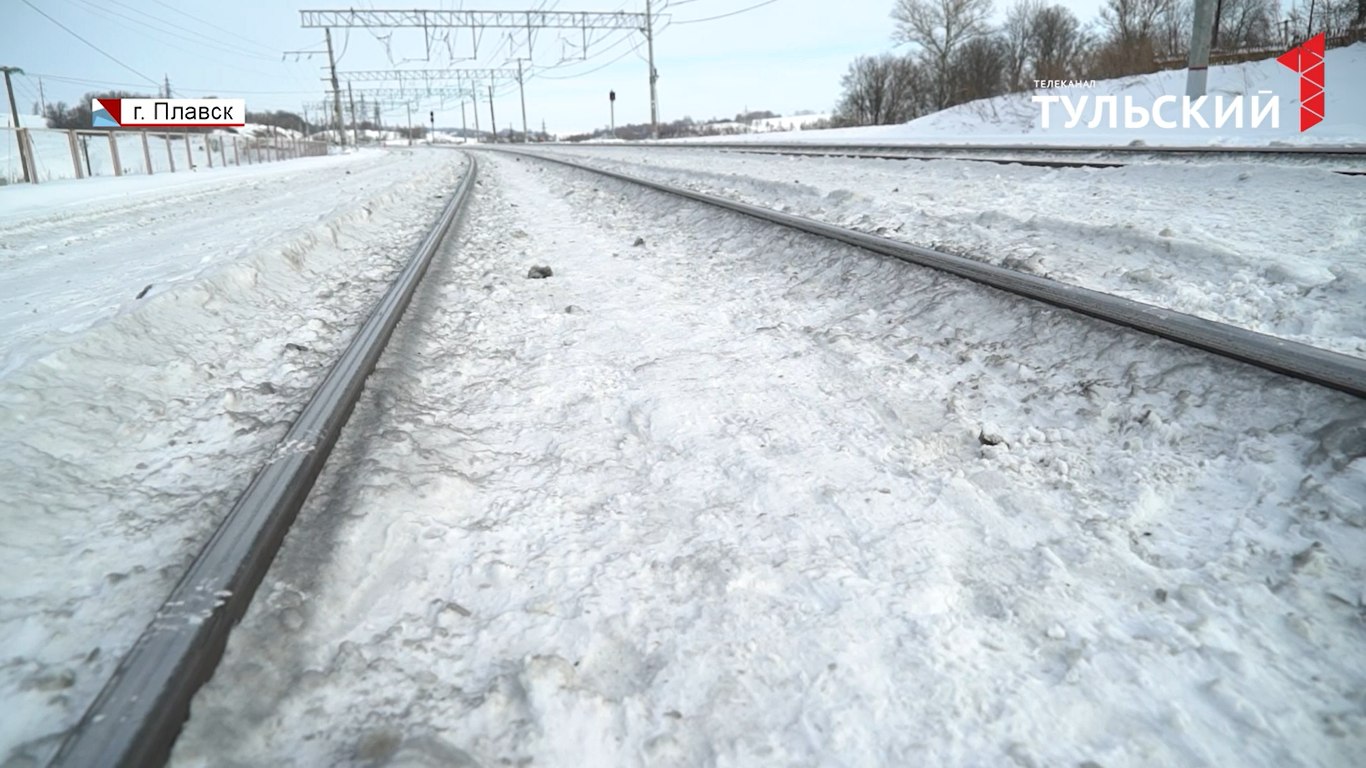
{"points": [[1302, 361], [134, 721]]}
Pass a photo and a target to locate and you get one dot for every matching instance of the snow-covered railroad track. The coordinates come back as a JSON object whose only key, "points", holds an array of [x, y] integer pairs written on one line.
{"points": [[1320, 366], [722, 493], [136, 717], [1345, 160]]}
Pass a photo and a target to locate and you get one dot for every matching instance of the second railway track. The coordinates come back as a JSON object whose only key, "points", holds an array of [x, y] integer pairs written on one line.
{"points": [[1331, 369], [1348, 160]]}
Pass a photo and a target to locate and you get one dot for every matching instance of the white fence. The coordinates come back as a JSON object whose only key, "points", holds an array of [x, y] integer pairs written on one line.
{"points": [[48, 154]]}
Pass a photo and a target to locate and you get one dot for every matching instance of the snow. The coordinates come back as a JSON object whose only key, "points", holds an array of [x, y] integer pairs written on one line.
{"points": [[1224, 241], [726, 498], [1014, 118], [74, 253], [263, 131], [788, 123], [25, 121], [128, 425]]}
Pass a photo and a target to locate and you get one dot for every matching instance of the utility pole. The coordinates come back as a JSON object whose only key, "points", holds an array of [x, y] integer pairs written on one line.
{"points": [[544, 135], [336, 91], [1197, 71], [431, 137], [14, 110], [492, 119], [650, 52], [42, 101], [474, 102], [612, 105], [354, 130], [166, 79], [522, 91], [410, 123], [464, 132]]}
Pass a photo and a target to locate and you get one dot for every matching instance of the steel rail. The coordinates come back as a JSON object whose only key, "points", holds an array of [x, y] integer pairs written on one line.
{"points": [[134, 721], [1017, 154], [1291, 358], [1319, 150], [999, 160]]}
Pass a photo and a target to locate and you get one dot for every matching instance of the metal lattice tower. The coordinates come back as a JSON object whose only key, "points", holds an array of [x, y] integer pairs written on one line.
{"points": [[427, 19]]}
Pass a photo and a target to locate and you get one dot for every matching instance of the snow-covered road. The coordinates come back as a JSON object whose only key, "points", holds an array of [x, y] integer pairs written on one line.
{"points": [[1273, 248], [719, 494], [128, 426]]}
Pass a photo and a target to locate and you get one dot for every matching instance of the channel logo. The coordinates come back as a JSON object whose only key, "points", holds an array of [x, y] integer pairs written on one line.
{"points": [[1307, 59]]}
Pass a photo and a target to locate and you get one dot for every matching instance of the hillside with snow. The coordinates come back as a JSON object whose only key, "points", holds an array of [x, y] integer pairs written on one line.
{"points": [[1015, 118]]}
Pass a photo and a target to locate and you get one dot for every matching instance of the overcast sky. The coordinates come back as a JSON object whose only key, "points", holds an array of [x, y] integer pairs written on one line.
{"points": [[785, 56]]}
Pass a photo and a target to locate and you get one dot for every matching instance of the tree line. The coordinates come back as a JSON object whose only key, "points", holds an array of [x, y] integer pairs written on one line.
{"points": [[957, 55]]}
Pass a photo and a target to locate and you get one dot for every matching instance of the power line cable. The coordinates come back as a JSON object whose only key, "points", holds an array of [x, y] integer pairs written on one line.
{"points": [[87, 42], [726, 15], [214, 26], [211, 41], [591, 71], [147, 31]]}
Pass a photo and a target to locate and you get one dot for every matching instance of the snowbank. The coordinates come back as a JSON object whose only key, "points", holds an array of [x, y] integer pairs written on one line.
{"points": [[1014, 118], [129, 424]]}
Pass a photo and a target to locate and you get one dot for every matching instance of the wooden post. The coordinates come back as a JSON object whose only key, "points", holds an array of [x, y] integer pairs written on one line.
{"points": [[170, 156], [75, 154], [189, 153], [223, 150], [208, 150], [146, 153], [114, 153], [236, 158], [26, 140]]}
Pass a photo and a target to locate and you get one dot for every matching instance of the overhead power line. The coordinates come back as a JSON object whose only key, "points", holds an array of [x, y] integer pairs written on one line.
{"points": [[726, 15], [99, 50], [215, 26]]}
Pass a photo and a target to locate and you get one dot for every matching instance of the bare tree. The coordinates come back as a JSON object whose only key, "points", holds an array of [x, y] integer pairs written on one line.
{"points": [[940, 27], [1057, 42], [881, 90], [1017, 34], [1130, 30], [1245, 24], [1129, 21], [978, 69]]}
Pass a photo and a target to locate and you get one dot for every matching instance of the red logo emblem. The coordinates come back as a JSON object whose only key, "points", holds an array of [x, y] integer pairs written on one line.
{"points": [[1307, 59]]}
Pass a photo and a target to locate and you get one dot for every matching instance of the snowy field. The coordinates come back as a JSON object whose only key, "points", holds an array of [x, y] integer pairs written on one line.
{"points": [[1015, 119], [718, 494], [1272, 248], [132, 416]]}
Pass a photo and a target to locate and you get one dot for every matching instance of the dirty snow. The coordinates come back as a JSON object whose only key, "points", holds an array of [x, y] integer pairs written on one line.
{"points": [[719, 494], [1272, 248], [128, 426]]}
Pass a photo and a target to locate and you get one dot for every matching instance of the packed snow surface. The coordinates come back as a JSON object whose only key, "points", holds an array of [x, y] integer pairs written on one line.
{"points": [[1015, 119], [1272, 248], [130, 420], [721, 494]]}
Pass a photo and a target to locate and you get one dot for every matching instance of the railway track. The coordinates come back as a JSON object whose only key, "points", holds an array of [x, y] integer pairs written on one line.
{"points": [[1302, 361], [136, 718], [1345, 160]]}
